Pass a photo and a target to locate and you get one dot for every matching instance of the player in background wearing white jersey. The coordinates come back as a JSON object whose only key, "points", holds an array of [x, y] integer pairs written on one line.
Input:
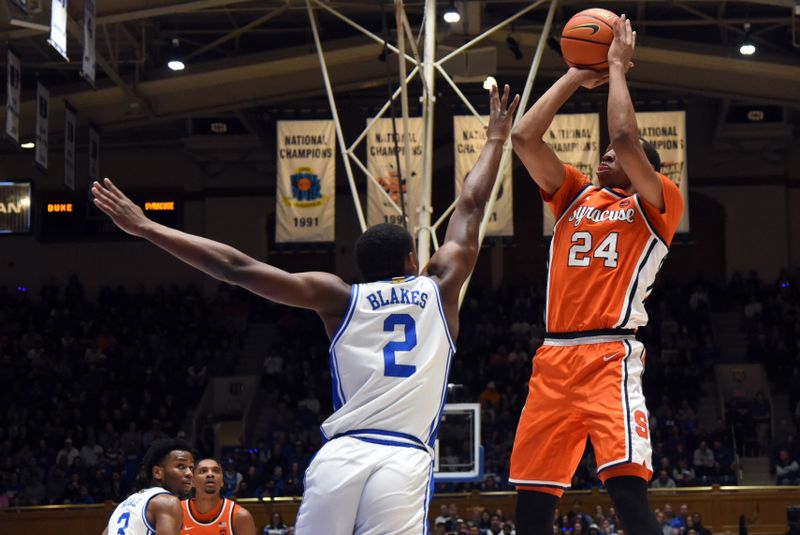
{"points": [[390, 350], [157, 510]]}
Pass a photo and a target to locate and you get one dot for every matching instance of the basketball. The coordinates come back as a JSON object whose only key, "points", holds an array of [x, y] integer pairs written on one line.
{"points": [[586, 38]]}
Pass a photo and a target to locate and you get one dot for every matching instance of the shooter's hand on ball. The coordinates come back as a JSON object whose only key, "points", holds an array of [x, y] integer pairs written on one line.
{"points": [[122, 211], [621, 51], [589, 79]]}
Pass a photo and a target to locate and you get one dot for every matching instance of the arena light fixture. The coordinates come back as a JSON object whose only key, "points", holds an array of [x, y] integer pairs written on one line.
{"points": [[747, 47], [176, 65], [28, 145], [451, 14]]}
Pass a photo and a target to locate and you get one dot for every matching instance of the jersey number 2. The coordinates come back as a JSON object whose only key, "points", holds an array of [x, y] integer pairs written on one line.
{"points": [[123, 519], [391, 367], [582, 244]]}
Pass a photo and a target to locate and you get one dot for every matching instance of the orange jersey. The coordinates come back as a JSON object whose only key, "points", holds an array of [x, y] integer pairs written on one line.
{"points": [[606, 250], [216, 522]]}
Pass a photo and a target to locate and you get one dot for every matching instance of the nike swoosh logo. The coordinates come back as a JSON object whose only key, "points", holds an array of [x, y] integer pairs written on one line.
{"points": [[594, 27], [609, 357]]}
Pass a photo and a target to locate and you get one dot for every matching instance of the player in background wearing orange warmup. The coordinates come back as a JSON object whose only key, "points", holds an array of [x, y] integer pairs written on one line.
{"points": [[608, 244], [208, 513]]}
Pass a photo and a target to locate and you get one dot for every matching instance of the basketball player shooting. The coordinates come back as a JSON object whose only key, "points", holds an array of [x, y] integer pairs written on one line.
{"points": [[157, 510], [208, 513], [391, 346], [608, 244]]}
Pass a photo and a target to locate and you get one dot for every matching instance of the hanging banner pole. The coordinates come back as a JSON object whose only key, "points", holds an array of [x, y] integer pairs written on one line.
{"points": [[13, 84], [42, 126], [89, 52], [58, 27]]}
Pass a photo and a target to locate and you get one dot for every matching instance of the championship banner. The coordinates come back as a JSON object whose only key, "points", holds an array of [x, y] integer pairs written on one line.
{"points": [[382, 165], [42, 125], [70, 122], [306, 181], [13, 84], [666, 130], [469, 139], [58, 27], [575, 138], [94, 154], [89, 26]]}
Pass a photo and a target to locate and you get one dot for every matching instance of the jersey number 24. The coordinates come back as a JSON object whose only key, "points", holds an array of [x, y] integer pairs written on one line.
{"points": [[580, 254]]}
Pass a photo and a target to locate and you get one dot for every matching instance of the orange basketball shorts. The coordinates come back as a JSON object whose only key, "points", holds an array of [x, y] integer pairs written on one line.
{"points": [[583, 387]]}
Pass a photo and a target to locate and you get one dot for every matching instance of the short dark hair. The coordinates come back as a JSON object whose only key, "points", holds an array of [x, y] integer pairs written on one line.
{"points": [[381, 251], [160, 450], [652, 154]]}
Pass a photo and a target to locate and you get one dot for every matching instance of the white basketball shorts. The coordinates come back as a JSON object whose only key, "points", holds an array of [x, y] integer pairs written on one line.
{"points": [[366, 488]]}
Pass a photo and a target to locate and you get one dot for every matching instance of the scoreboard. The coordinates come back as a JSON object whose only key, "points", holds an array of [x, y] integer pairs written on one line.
{"points": [[15, 207], [72, 216]]}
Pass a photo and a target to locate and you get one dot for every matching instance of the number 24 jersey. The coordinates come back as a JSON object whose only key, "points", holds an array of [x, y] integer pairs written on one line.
{"points": [[606, 250]]}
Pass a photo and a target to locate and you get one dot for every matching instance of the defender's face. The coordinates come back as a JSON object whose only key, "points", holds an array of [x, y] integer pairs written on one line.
{"points": [[208, 477], [176, 473]]}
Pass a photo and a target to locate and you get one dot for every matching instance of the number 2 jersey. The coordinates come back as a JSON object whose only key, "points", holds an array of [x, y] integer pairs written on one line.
{"points": [[389, 361], [606, 250], [130, 516]]}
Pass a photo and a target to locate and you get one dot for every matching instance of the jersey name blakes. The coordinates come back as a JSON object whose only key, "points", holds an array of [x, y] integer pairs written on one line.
{"points": [[397, 296], [594, 214]]}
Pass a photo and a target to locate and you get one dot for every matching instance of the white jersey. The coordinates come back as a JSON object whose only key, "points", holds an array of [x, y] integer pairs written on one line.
{"points": [[130, 516], [389, 360]]}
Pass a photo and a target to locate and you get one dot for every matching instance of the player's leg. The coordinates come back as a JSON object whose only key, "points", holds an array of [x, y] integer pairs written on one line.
{"points": [[334, 483], [549, 441], [629, 494], [397, 494], [535, 512], [615, 413]]}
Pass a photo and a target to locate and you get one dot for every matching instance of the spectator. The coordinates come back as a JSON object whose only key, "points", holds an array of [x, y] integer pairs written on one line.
{"points": [[697, 523], [761, 414], [663, 481], [666, 528], [679, 520], [68, 453], [490, 397], [683, 474], [787, 469], [232, 478], [725, 463], [704, 462], [91, 452], [276, 526]]}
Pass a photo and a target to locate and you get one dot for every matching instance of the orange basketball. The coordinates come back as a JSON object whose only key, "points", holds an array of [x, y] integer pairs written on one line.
{"points": [[586, 38]]}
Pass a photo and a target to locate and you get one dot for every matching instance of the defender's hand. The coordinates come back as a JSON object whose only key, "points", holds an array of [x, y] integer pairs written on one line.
{"points": [[501, 115], [122, 211]]}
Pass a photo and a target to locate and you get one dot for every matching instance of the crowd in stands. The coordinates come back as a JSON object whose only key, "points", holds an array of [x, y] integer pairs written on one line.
{"points": [[91, 383], [577, 520]]}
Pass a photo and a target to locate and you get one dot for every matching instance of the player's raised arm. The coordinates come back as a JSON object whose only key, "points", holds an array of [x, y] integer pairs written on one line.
{"points": [[166, 514], [622, 128], [455, 259], [324, 292], [541, 162]]}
